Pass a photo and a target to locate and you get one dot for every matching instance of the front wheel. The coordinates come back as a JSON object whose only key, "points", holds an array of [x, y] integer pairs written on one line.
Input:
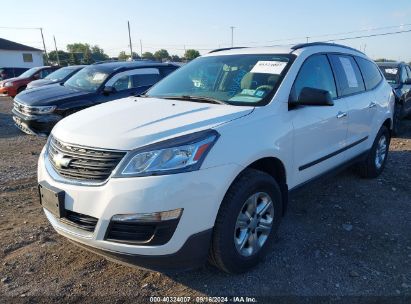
{"points": [[247, 222], [374, 164]]}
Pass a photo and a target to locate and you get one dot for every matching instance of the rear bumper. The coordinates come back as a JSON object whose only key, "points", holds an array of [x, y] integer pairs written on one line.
{"points": [[37, 124], [193, 254]]}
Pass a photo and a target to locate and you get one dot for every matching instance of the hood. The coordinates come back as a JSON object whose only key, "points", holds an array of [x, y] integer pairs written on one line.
{"points": [[48, 95], [129, 123], [12, 79], [40, 82]]}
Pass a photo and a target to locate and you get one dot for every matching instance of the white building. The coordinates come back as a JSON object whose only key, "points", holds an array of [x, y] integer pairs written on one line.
{"points": [[16, 55]]}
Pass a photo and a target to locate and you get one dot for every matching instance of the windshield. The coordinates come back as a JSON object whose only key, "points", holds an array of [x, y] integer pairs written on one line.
{"points": [[88, 79], [234, 79], [29, 73], [390, 73], [60, 74]]}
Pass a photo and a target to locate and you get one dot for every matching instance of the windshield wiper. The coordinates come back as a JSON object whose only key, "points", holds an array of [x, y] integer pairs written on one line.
{"points": [[196, 99]]}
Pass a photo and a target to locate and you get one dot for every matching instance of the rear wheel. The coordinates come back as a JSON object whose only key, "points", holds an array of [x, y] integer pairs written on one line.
{"points": [[374, 164], [247, 222]]}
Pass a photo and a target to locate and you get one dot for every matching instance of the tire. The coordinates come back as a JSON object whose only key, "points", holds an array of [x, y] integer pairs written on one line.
{"points": [[372, 166], [225, 251], [397, 128]]}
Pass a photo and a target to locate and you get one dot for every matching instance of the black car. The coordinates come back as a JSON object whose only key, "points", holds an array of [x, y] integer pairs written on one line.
{"points": [[6, 73], [398, 75], [36, 111], [59, 76]]}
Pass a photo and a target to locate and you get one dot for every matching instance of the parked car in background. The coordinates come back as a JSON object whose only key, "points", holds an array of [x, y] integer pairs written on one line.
{"points": [[202, 164], [13, 86], [37, 110], [59, 76], [398, 75], [6, 73]]}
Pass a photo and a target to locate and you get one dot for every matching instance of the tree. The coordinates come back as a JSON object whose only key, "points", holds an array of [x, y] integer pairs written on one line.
{"points": [[148, 56], [78, 47], [175, 58], [63, 57], [98, 53], [72, 59], [136, 56], [123, 56], [87, 59], [161, 55], [191, 54]]}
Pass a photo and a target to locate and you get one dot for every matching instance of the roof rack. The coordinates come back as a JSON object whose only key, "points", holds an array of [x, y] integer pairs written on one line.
{"points": [[226, 49], [303, 45]]}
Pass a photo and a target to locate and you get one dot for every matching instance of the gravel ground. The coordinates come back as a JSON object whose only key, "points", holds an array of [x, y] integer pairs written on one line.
{"points": [[348, 240]]}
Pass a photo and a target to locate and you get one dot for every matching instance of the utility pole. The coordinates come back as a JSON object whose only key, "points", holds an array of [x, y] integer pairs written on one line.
{"points": [[44, 45], [129, 38], [141, 49], [307, 38], [57, 52], [232, 35]]}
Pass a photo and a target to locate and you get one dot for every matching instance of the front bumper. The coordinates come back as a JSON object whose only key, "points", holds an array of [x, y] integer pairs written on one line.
{"points": [[36, 124], [199, 193]]}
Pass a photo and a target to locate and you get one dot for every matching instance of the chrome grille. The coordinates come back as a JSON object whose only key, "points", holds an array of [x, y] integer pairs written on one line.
{"points": [[23, 109], [82, 163]]}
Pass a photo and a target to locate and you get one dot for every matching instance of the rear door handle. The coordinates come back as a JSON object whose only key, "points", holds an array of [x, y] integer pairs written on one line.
{"points": [[341, 114], [372, 105]]}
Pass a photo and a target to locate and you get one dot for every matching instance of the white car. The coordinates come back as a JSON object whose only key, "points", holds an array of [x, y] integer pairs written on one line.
{"points": [[202, 164]]}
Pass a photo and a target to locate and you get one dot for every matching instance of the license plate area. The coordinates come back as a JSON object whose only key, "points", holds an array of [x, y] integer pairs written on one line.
{"points": [[52, 199]]}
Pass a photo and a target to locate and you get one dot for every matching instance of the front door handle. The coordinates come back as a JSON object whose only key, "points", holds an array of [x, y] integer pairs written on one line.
{"points": [[372, 105], [341, 114]]}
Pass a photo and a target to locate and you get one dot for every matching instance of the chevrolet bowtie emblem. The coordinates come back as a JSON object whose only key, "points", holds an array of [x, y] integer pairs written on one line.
{"points": [[60, 161]]}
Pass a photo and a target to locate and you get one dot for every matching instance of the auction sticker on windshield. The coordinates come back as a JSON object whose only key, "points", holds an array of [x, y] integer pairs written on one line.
{"points": [[269, 67]]}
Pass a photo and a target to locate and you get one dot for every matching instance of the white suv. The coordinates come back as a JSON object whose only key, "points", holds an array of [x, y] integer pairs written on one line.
{"points": [[201, 165]]}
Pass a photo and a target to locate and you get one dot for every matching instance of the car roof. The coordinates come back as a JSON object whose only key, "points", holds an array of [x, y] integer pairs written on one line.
{"points": [[290, 49], [114, 65], [390, 63]]}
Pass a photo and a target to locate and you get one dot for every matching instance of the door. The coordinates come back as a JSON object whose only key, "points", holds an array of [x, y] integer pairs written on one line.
{"points": [[319, 131], [361, 104]]}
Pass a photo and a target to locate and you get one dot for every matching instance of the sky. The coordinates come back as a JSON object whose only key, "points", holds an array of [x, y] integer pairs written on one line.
{"points": [[205, 25]]}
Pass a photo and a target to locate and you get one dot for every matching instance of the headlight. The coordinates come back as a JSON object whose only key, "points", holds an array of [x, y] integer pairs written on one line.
{"points": [[8, 84], [32, 110], [182, 154]]}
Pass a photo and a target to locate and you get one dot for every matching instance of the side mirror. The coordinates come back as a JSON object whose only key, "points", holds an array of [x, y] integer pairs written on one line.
{"points": [[313, 97], [36, 76], [108, 90]]}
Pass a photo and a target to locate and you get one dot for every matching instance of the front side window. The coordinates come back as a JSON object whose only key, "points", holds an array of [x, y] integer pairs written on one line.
{"points": [[315, 73], [348, 75], [88, 79], [246, 79], [370, 72], [390, 73], [44, 73], [134, 79]]}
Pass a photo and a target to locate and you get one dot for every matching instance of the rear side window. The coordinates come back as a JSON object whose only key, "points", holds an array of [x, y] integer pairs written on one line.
{"points": [[349, 79], [370, 72], [315, 73]]}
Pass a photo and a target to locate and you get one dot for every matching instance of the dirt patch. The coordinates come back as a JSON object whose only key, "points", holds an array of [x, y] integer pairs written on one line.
{"points": [[343, 236]]}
